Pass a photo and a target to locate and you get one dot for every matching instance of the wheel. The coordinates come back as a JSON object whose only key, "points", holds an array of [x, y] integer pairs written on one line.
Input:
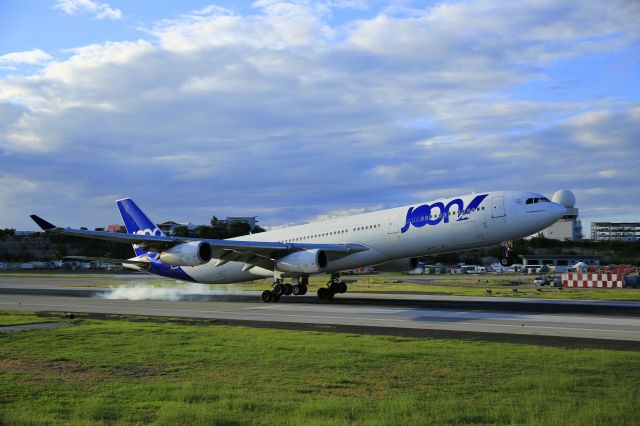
{"points": [[275, 298], [287, 289], [296, 290], [323, 293], [341, 287], [506, 261], [330, 295], [267, 296], [303, 290], [278, 289]]}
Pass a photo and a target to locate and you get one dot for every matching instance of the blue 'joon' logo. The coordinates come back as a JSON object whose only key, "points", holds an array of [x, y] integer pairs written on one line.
{"points": [[433, 214]]}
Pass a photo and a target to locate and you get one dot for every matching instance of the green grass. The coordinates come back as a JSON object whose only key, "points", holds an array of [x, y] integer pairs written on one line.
{"points": [[120, 372], [22, 317]]}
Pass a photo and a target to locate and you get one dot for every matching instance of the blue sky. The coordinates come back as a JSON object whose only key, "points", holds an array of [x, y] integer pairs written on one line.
{"points": [[299, 110]]}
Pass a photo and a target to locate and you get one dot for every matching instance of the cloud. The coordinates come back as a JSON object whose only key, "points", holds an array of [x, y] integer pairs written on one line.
{"points": [[97, 9], [287, 112], [31, 57]]}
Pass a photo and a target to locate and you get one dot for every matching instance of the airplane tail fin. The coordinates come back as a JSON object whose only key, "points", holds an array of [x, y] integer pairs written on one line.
{"points": [[136, 221]]}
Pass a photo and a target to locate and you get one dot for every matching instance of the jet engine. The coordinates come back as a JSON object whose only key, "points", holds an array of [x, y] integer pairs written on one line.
{"points": [[398, 265], [186, 254], [305, 261]]}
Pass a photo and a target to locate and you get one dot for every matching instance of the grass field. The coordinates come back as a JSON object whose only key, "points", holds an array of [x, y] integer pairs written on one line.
{"points": [[125, 372], [21, 317]]}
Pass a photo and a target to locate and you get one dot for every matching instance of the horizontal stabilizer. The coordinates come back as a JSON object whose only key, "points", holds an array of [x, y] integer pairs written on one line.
{"points": [[133, 261]]}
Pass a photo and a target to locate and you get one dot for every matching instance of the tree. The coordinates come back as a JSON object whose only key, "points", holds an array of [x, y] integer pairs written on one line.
{"points": [[257, 229], [237, 229], [8, 232], [181, 230]]}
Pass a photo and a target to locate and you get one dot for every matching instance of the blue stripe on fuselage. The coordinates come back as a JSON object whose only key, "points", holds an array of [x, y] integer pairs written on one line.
{"points": [[169, 271]]}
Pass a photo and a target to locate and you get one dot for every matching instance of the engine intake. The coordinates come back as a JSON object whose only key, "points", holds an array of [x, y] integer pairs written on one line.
{"points": [[186, 254], [305, 261]]}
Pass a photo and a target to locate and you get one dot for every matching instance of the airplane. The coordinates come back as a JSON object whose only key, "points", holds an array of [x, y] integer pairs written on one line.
{"points": [[391, 240]]}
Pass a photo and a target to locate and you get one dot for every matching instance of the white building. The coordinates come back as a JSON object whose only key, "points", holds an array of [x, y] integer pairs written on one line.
{"points": [[569, 228]]}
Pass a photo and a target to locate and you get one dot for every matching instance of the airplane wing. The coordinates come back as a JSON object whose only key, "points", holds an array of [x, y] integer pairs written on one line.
{"points": [[251, 252]]}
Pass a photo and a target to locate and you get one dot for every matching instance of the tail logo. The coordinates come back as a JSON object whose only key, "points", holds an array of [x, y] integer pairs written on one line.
{"points": [[156, 231]]}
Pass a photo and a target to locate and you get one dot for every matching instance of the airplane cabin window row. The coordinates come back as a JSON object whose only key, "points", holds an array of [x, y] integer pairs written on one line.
{"points": [[325, 234]]}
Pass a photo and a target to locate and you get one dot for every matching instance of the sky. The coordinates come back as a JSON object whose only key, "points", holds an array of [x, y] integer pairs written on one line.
{"points": [[302, 110]]}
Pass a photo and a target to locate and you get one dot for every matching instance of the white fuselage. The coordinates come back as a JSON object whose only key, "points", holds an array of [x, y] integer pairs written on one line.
{"points": [[422, 229]]}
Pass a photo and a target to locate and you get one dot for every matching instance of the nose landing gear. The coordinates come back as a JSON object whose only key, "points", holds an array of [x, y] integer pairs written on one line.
{"points": [[506, 259]]}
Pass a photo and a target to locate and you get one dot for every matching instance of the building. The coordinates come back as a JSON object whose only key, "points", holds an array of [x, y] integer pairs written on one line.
{"points": [[615, 231], [569, 228], [169, 227], [251, 220], [557, 262], [116, 228]]}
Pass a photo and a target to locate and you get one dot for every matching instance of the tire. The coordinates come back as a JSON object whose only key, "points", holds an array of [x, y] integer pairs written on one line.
{"points": [[330, 295], [323, 293], [303, 290], [287, 289], [278, 289], [267, 296], [506, 261], [275, 298], [296, 290], [341, 287]]}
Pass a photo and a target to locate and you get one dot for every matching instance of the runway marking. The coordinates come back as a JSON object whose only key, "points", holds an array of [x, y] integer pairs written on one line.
{"points": [[418, 325]]}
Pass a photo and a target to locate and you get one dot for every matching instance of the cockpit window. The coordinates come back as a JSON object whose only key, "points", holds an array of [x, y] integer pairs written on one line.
{"points": [[537, 200]]}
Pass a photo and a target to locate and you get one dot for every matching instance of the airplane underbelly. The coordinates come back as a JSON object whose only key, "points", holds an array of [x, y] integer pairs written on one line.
{"points": [[225, 274]]}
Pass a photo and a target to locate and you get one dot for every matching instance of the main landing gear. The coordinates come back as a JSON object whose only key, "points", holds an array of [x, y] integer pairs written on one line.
{"points": [[297, 288], [506, 260], [334, 286]]}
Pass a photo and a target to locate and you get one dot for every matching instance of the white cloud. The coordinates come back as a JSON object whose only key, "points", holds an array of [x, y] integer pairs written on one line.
{"points": [[97, 9], [32, 57], [284, 112]]}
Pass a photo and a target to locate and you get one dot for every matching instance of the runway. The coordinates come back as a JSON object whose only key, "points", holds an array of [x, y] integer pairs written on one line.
{"points": [[489, 318]]}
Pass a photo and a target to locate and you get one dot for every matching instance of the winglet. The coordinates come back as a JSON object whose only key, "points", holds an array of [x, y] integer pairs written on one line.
{"points": [[46, 226]]}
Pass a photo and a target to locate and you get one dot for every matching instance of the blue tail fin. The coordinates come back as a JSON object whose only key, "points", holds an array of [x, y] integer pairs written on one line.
{"points": [[136, 222]]}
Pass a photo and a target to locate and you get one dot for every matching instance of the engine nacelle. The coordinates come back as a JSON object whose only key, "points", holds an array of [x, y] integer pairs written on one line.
{"points": [[306, 261], [398, 265], [186, 254]]}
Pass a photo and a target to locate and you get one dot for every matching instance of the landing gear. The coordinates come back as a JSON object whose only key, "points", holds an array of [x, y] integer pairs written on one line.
{"points": [[298, 288], [506, 260], [278, 288], [334, 286]]}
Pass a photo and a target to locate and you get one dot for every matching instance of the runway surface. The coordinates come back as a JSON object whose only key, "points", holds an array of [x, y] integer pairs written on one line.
{"points": [[521, 320]]}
